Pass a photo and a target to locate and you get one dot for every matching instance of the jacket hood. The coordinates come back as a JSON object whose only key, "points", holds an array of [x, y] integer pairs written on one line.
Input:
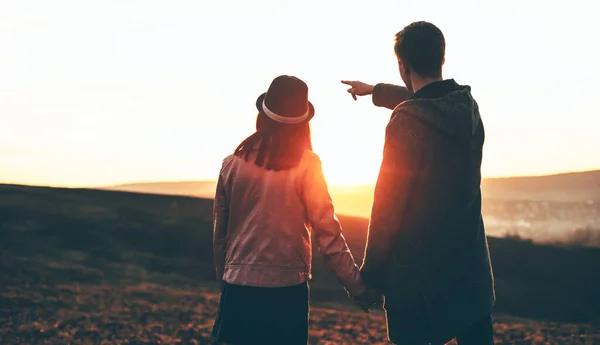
{"points": [[455, 114]]}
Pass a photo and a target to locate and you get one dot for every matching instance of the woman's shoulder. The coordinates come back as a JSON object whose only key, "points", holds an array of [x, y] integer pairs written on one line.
{"points": [[228, 163], [228, 160], [311, 158]]}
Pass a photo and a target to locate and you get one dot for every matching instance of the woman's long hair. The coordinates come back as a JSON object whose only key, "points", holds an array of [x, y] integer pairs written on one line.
{"points": [[275, 146]]}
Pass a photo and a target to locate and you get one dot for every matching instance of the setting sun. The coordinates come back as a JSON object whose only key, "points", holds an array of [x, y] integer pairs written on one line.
{"points": [[340, 170], [350, 144]]}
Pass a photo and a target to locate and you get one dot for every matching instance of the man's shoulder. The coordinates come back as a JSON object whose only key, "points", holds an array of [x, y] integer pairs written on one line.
{"points": [[407, 122], [409, 106], [406, 112]]}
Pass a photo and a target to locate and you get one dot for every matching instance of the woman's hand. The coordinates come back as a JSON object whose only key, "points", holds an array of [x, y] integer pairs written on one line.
{"points": [[371, 299]]}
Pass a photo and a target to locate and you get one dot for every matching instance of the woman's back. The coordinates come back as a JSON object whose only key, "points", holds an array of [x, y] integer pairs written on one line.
{"points": [[268, 243]]}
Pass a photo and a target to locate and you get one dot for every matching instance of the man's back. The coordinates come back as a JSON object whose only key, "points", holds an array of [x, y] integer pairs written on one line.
{"points": [[426, 218], [444, 208]]}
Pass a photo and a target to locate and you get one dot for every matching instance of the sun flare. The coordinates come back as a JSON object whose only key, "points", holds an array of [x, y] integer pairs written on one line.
{"points": [[338, 173], [350, 152]]}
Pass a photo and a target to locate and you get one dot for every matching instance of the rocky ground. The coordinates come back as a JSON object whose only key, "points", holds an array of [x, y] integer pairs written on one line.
{"points": [[153, 314]]}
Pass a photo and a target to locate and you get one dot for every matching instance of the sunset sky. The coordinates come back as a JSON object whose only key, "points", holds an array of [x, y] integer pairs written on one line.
{"points": [[105, 92]]}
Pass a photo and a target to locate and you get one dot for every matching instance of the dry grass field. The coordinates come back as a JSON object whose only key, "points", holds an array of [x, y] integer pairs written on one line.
{"points": [[92, 267]]}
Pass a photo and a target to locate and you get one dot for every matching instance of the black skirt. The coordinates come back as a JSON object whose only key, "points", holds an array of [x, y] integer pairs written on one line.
{"points": [[258, 315]]}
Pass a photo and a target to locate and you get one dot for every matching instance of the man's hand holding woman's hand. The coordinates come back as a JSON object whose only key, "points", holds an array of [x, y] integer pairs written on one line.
{"points": [[371, 299], [358, 88]]}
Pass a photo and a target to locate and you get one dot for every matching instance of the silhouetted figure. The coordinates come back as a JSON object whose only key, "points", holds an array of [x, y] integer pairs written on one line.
{"points": [[271, 194], [427, 251]]}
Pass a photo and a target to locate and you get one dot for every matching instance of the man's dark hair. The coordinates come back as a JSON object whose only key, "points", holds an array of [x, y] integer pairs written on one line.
{"points": [[422, 47]]}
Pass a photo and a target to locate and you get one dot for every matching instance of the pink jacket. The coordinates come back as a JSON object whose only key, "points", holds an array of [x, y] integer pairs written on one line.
{"points": [[263, 222]]}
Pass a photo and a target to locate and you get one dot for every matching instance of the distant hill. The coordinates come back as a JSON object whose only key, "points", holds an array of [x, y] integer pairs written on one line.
{"points": [[357, 200], [50, 237], [202, 189], [575, 186], [353, 200]]}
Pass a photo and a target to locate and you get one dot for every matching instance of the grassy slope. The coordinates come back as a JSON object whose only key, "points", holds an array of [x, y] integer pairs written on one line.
{"points": [[55, 241]]}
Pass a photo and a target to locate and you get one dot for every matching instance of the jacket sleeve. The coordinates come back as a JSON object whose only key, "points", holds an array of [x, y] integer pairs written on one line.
{"points": [[403, 156], [328, 231], [220, 219], [389, 96]]}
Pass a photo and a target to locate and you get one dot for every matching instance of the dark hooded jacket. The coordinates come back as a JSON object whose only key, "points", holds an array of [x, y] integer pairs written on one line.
{"points": [[427, 250]]}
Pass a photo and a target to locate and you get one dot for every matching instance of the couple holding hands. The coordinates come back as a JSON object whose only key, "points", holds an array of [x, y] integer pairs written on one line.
{"points": [[426, 261]]}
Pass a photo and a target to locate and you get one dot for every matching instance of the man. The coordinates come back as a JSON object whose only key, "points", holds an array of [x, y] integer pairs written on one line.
{"points": [[426, 248]]}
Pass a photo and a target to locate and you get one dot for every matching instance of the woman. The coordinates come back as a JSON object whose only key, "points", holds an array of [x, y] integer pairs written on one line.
{"points": [[270, 195]]}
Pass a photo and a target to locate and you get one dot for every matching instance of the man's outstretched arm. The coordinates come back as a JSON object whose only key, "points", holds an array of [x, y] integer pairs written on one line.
{"points": [[384, 95], [389, 96]]}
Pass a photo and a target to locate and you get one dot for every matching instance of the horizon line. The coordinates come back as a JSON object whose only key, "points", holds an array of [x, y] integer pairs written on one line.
{"points": [[104, 186]]}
